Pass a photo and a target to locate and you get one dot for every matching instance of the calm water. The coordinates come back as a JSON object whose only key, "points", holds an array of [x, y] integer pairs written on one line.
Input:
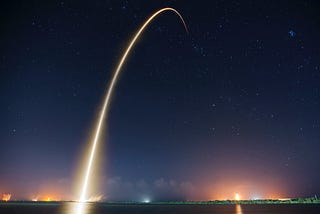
{"points": [[72, 208]]}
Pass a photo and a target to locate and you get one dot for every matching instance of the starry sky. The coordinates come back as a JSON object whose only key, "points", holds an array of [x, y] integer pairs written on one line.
{"points": [[231, 107]]}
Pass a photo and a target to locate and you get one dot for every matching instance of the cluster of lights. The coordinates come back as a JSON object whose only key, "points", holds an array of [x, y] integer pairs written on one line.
{"points": [[6, 197], [146, 200]]}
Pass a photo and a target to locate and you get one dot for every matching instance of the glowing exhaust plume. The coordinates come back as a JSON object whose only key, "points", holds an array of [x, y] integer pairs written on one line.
{"points": [[109, 94]]}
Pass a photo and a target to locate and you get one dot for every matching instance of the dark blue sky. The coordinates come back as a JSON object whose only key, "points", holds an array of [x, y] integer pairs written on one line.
{"points": [[233, 106]]}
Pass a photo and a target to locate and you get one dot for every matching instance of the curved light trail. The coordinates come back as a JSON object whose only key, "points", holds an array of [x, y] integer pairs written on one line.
{"points": [[109, 94]]}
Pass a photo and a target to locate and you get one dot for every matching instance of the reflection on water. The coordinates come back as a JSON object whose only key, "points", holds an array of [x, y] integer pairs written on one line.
{"points": [[238, 209], [108, 208], [76, 208], [90, 208]]}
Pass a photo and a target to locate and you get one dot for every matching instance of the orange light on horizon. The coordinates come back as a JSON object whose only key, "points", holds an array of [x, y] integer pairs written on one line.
{"points": [[276, 196], [237, 197], [48, 199], [284, 199], [6, 197]]}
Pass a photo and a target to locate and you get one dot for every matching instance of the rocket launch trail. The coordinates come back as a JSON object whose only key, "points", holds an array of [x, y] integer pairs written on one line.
{"points": [[108, 96]]}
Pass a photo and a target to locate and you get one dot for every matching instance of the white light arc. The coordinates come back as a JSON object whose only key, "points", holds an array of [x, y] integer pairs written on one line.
{"points": [[109, 94]]}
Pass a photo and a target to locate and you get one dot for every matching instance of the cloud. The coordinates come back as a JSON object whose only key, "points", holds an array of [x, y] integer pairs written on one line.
{"points": [[96, 198], [119, 189]]}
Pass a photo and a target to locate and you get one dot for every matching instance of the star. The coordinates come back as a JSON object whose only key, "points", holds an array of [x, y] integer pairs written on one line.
{"points": [[292, 33]]}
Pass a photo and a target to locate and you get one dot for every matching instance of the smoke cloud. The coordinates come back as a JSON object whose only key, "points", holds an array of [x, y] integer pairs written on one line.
{"points": [[119, 189]]}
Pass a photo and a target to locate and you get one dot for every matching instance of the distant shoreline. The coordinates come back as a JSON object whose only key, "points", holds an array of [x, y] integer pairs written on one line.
{"points": [[213, 202]]}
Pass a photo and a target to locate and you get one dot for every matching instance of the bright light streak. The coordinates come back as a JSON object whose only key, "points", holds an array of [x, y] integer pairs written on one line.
{"points": [[109, 94]]}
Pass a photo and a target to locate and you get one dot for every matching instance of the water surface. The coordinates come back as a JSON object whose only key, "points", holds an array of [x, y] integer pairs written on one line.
{"points": [[74, 208]]}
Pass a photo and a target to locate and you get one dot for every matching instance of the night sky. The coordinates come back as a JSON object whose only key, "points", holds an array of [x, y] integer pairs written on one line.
{"points": [[231, 107]]}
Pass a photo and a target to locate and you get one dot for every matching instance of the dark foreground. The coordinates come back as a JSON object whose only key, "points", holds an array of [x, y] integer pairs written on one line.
{"points": [[73, 208]]}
